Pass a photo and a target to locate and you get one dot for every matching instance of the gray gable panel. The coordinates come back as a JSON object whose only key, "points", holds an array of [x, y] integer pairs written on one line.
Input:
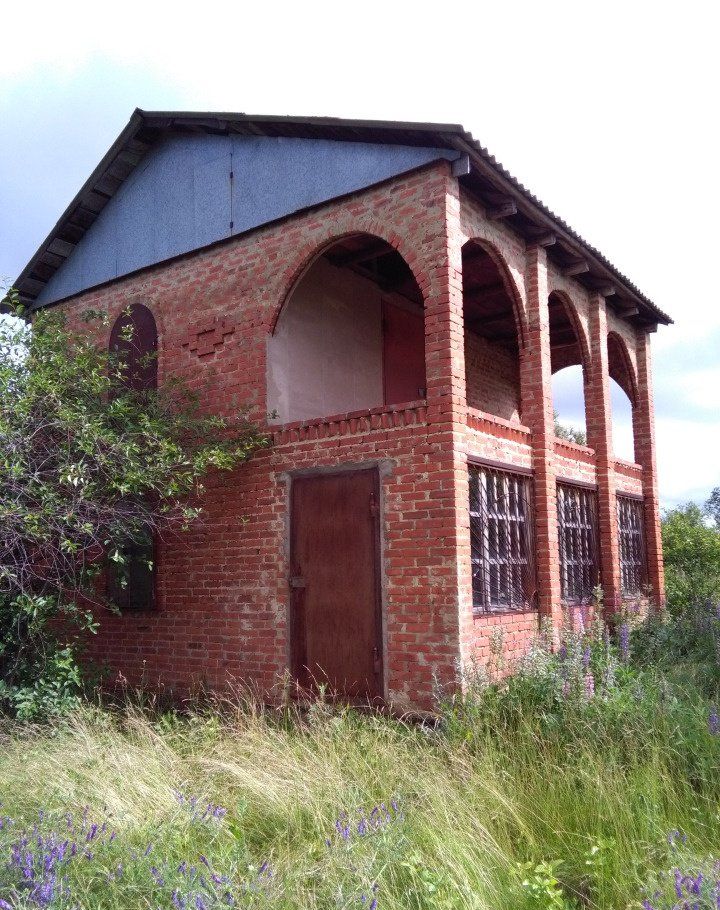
{"points": [[181, 197]]}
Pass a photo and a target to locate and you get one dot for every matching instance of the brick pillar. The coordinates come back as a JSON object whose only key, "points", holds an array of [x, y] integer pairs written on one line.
{"points": [[537, 413], [644, 432], [599, 430], [447, 419]]}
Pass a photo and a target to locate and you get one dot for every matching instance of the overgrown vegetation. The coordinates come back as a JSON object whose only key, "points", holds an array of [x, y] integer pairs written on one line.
{"points": [[691, 547], [88, 466], [590, 779]]}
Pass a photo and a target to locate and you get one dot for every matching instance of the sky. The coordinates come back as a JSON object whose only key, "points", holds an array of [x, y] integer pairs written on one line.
{"points": [[607, 112]]}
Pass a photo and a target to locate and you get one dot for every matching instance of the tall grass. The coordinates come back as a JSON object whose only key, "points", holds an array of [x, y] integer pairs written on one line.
{"points": [[521, 797]]}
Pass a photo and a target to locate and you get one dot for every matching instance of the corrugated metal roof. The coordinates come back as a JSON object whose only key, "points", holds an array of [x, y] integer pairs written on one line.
{"points": [[486, 177]]}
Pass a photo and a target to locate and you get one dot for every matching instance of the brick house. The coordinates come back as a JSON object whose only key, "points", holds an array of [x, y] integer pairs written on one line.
{"points": [[392, 305]]}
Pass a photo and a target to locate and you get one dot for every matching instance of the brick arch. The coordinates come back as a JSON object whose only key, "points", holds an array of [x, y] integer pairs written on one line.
{"points": [[620, 366], [509, 283], [570, 309], [115, 310], [308, 255]]}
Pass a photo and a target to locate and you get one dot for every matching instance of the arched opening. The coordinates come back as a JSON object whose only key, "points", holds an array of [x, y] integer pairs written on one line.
{"points": [[567, 360], [623, 397], [493, 334], [134, 340], [351, 335]]}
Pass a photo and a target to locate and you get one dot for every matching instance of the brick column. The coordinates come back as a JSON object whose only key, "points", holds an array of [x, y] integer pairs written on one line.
{"points": [[449, 547], [537, 413], [644, 432], [599, 430]]}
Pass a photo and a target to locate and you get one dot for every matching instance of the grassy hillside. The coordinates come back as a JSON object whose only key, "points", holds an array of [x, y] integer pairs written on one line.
{"points": [[577, 784]]}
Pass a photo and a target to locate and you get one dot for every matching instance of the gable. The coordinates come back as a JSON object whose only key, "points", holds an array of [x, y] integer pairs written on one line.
{"points": [[192, 190]]}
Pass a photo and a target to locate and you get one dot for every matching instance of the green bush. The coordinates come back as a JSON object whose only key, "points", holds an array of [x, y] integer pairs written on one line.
{"points": [[692, 558], [87, 467]]}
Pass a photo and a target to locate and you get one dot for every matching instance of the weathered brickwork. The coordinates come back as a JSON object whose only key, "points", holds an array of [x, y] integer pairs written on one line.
{"points": [[492, 378], [223, 595]]}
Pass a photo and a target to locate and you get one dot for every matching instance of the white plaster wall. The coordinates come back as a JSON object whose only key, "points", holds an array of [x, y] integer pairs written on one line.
{"points": [[325, 356]]}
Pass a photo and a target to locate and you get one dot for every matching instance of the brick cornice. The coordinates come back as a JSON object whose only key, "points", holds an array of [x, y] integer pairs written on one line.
{"points": [[496, 426]]}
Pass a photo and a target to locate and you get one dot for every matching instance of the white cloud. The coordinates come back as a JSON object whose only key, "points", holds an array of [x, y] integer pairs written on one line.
{"points": [[608, 116]]}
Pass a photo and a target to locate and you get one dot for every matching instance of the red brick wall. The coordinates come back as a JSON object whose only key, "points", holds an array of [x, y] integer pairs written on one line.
{"points": [[492, 376], [223, 592]]}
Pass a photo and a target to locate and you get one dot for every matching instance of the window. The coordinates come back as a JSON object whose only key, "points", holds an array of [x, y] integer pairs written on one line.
{"points": [[631, 533], [132, 586], [577, 532], [503, 572], [133, 340]]}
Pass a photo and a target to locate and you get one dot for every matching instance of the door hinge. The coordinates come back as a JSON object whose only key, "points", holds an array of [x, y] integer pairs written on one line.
{"points": [[373, 506], [376, 660]]}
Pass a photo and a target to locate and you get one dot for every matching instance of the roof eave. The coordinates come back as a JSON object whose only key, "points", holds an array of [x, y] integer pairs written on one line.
{"points": [[453, 135]]}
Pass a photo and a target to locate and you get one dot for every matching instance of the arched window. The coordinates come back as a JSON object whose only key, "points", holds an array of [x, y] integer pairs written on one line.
{"points": [[133, 340]]}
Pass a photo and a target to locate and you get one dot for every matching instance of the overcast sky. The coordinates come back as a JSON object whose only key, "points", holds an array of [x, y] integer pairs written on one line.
{"points": [[608, 112]]}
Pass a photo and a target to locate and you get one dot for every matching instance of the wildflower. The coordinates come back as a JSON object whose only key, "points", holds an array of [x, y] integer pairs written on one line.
{"points": [[678, 883], [589, 686], [586, 657], [713, 722], [625, 641]]}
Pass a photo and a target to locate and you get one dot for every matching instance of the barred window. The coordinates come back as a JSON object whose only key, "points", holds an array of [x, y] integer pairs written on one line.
{"points": [[503, 570], [577, 531], [631, 533]]}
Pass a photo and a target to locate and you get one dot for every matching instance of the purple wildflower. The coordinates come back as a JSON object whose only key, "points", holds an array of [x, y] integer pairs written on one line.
{"points": [[678, 883], [625, 641], [589, 685], [586, 658], [713, 722]]}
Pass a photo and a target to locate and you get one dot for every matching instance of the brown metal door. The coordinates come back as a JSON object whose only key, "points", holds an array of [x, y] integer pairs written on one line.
{"points": [[334, 583]]}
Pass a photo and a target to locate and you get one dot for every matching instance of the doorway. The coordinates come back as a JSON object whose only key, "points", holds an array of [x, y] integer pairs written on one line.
{"points": [[336, 637]]}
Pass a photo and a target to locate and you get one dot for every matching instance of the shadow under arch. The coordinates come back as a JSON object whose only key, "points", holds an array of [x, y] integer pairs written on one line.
{"points": [[620, 366], [349, 334], [568, 341], [495, 331]]}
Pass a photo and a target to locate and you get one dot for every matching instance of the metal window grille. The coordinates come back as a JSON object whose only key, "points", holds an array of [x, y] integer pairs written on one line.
{"points": [[503, 569], [577, 531], [631, 533]]}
